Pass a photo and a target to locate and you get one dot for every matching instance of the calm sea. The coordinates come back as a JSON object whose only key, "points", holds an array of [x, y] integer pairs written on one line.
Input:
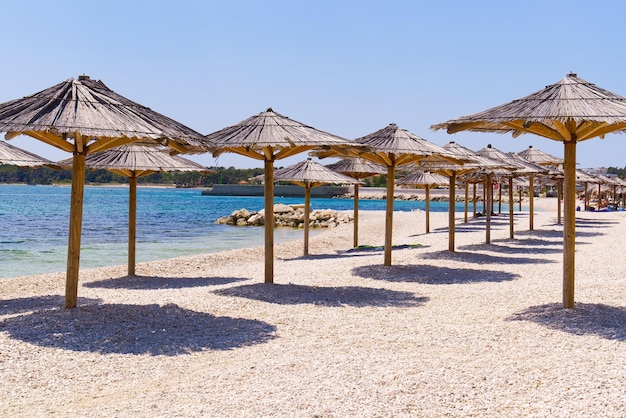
{"points": [[34, 222]]}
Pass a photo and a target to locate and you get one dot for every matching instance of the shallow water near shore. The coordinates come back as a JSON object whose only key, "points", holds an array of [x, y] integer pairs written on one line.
{"points": [[170, 223]]}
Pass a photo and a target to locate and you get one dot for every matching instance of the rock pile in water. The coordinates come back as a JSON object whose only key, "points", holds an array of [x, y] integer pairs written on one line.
{"points": [[289, 216]]}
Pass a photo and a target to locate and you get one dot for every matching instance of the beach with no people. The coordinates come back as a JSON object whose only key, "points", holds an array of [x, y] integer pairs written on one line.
{"points": [[478, 332]]}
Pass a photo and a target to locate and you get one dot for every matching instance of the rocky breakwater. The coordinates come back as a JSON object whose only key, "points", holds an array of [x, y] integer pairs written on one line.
{"points": [[287, 216]]}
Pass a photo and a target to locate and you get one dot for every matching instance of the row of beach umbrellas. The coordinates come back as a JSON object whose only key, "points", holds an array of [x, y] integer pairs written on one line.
{"points": [[83, 117]]}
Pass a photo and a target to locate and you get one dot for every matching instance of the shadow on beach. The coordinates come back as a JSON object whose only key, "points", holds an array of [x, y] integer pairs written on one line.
{"points": [[37, 303], [481, 258], [155, 283], [585, 319], [552, 233], [509, 247], [427, 274], [291, 294], [136, 329]]}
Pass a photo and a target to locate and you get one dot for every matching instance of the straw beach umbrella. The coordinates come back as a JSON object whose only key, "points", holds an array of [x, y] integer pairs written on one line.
{"points": [[391, 147], [83, 116], [11, 155], [270, 136], [309, 174], [569, 111], [473, 164], [357, 168], [425, 180], [133, 161], [539, 157]]}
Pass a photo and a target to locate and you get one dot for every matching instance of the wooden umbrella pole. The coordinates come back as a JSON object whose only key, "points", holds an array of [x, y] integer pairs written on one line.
{"points": [[520, 199], [474, 200], [586, 196], [132, 223], [356, 215], [307, 213], [569, 227], [559, 196], [499, 197], [599, 204], [531, 197], [451, 207], [466, 201], [76, 221], [391, 173], [427, 209], [489, 190], [511, 233], [269, 220]]}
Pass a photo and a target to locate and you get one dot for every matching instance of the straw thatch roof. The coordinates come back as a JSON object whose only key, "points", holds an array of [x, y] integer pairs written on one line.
{"points": [[357, 168], [474, 162], [311, 173], [396, 146], [537, 156], [11, 155], [423, 179], [270, 134], [130, 159], [569, 107], [84, 109]]}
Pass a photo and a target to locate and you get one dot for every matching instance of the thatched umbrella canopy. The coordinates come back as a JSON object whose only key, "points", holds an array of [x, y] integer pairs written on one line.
{"points": [[357, 168], [392, 147], [270, 136], [570, 111], [424, 180], [11, 155], [537, 156], [133, 161], [309, 174], [83, 116]]}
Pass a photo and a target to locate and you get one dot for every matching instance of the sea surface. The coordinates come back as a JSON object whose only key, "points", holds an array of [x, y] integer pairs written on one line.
{"points": [[34, 223]]}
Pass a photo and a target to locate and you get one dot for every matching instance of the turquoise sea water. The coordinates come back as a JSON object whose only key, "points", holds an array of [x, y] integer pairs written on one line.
{"points": [[34, 222]]}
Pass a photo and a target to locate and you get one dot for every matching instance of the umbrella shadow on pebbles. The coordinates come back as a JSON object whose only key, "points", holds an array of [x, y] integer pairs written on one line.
{"points": [[427, 274], [156, 283], [510, 247], [291, 294], [604, 321], [136, 329], [481, 258], [36, 303]]}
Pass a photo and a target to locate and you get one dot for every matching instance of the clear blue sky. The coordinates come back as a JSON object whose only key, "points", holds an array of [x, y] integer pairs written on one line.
{"points": [[346, 67]]}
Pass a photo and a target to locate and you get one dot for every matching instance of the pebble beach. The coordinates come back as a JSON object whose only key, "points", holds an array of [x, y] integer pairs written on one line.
{"points": [[479, 332]]}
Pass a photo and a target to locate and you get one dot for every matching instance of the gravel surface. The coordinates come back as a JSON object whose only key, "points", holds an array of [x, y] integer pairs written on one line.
{"points": [[479, 332]]}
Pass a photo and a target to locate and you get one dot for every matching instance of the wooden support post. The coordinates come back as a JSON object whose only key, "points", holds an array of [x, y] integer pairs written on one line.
{"points": [[499, 197], [427, 209], [559, 196], [307, 212], [569, 227], [520, 199], [466, 201], [132, 223], [269, 220], [531, 197], [451, 208], [586, 195], [511, 203], [391, 174], [489, 191], [356, 215], [76, 223], [474, 200]]}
